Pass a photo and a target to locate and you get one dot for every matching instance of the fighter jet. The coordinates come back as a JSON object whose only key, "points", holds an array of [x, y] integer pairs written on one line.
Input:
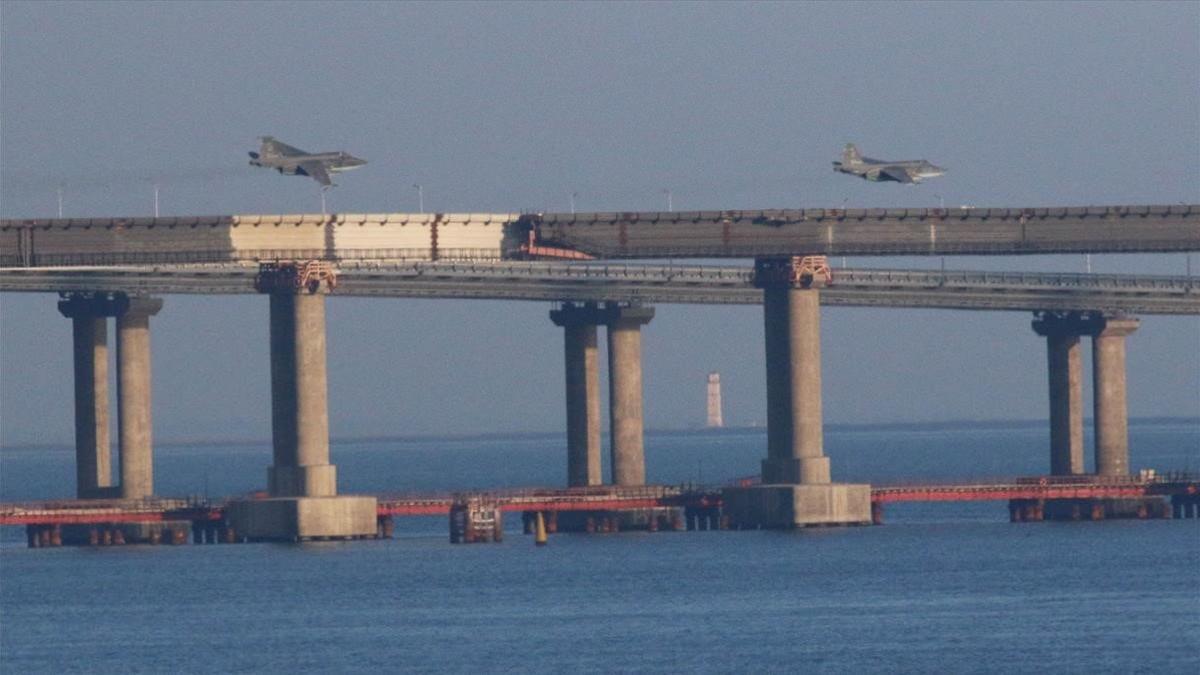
{"points": [[295, 162], [905, 171]]}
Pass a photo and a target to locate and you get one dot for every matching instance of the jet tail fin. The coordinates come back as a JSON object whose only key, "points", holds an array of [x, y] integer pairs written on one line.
{"points": [[851, 155]]}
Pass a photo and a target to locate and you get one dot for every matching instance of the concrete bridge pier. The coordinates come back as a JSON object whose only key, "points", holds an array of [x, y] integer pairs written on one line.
{"points": [[135, 430], [796, 489], [302, 484], [1062, 331], [625, 392], [579, 324], [89, 314], [299, 399], [1110, 408]]}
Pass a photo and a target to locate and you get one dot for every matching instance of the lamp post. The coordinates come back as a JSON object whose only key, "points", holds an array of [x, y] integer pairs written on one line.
{"points": [[844, 200], [941, 213]]}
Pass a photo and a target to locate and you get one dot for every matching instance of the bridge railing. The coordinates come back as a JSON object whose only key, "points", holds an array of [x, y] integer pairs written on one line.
{"points": [[1024, 481], [94, 505]]}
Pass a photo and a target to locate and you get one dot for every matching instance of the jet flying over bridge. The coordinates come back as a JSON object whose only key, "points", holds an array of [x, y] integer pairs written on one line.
{"points": [[292, 161], [911, 171]]}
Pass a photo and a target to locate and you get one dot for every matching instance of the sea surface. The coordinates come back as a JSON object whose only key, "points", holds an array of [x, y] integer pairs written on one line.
{"points": [[949, 588]]}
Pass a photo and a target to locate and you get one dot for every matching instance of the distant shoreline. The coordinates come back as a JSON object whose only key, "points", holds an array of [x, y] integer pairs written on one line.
{"points": [[950, 425]]}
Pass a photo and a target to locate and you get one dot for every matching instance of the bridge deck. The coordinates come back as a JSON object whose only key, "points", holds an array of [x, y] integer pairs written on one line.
{"points": [[598, 282], [889, 231], [652, 234]]}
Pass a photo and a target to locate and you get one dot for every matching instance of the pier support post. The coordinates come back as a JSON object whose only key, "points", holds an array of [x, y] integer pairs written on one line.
{"points": [[795, 436], [299, 398], [133, 397], [89, 326], [796, 489], [1111, 411], [1062, 331], [579, 324], [625, 392], [302, 484]]}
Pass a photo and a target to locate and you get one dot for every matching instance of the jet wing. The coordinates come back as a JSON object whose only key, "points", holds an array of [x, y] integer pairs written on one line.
{"points": [[896, 173], [317, 171], [274, 147]]}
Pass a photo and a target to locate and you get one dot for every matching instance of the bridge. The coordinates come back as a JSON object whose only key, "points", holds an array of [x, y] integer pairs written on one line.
{"points": [[113, 268]]}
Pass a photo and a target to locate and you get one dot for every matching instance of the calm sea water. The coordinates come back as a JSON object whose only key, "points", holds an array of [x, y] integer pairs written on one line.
{"points": [[940, 588]]}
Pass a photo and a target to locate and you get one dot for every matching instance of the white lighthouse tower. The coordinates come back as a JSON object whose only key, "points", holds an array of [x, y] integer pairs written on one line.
{"points": [[715, 420]]}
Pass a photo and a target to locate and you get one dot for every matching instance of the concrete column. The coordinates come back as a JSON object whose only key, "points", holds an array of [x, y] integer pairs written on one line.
{"points": [[792, 330], [89, 319], [135, 431], [1064, 367], [804, 346], [1111, 411], [1066, 404], [582, 393], [779, 375], [625, 392], [299, 398]]}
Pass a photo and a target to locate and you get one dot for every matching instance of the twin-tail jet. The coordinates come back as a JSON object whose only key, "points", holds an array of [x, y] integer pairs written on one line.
{"points": [[905, 171], [295, 162]]}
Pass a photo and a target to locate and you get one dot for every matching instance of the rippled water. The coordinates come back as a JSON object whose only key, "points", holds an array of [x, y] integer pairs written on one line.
{"points": [[949, 588]]}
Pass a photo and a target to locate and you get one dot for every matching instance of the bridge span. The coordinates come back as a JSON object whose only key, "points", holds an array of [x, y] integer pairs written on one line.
{"points": [[658, 284], [655, 234]]}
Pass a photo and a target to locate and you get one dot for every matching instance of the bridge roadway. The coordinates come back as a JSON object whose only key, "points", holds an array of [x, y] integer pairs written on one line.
{"points": [[598, 282], [887, 231], [655, 234], [615, 498]]}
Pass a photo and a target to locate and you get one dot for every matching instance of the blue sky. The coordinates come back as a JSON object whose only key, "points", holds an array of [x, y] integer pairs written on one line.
{"points": [[505, 107]]}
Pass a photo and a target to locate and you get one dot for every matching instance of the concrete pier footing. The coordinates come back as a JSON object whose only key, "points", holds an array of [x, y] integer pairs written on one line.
{"points": [[304, 518], [792, 506], [1037, 510]]}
